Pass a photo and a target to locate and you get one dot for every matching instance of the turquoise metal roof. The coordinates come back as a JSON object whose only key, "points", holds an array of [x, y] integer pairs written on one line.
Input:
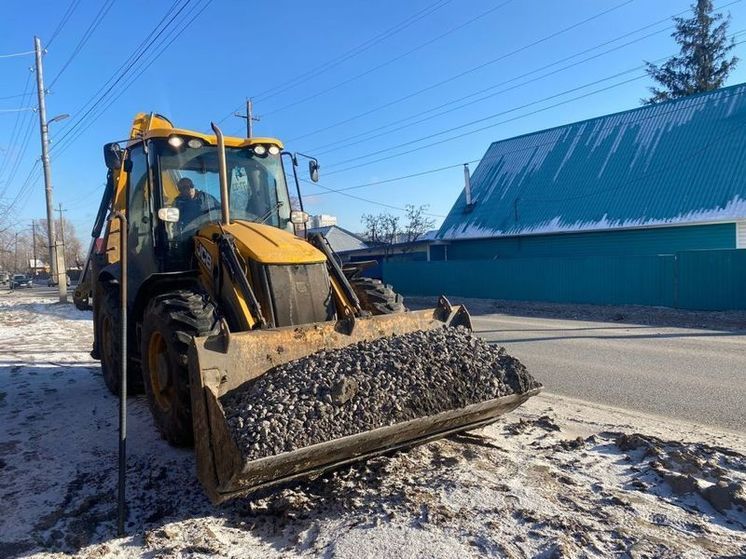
{"points": [[678, 162]]}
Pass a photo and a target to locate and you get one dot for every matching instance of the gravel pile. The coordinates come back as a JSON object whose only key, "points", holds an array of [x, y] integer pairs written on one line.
{"points": [[332, 394]]}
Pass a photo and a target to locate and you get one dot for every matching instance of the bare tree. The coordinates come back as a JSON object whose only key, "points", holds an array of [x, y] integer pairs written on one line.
{"points": [[418, 223], [64, 229], [384, 229]]}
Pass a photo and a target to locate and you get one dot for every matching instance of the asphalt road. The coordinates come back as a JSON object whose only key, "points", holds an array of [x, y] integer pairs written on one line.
{"points": [[690, 374]]}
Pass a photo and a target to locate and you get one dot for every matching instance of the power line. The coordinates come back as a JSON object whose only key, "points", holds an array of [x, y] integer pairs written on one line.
{"points": [[22, 152], [137, 56], [13, 96], [355, 51], [488, 159], [391, 31], [87, 34], [24, 53], [19, 110], [29, 124], [15, 131], [394, 59], [174, 33], [63, 21], [347, 143], [374, 202], [24, 190], [124, 64], [397, 179], [489, 117], [466, 72]]}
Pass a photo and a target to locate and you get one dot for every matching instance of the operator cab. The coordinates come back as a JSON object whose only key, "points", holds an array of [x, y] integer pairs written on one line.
{"points": [[256, 186]]}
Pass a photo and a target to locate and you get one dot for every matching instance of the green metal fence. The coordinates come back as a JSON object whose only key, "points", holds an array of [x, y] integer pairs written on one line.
{"points": [[707, 280]]}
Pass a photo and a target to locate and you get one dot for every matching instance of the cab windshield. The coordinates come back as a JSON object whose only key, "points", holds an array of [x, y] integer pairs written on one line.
{"points": [[190, 181]]}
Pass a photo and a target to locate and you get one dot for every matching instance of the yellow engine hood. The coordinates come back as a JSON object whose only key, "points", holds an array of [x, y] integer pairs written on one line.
{"points": [[267, 244]]}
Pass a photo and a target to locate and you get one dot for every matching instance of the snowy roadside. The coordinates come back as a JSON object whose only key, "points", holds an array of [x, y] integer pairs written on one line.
{"points": [[624, 314], [557, 477]]}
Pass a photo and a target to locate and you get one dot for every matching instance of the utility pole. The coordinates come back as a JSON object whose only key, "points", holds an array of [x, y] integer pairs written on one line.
{"points": [[33, 237], [61, 249], [53, 264], [250, 118], [15, 256], [62, 229]]}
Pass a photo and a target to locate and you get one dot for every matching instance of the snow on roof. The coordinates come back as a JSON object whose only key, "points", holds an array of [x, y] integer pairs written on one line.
{"points": [[677, 162], [340, 239]]}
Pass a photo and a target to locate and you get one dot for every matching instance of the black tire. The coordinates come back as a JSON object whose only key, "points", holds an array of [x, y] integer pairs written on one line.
{"points": [[109, 344], [377, 297], [169, 323]]}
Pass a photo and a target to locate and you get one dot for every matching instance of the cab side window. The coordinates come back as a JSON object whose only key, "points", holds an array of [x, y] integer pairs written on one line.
{"points": [[138, 204]]}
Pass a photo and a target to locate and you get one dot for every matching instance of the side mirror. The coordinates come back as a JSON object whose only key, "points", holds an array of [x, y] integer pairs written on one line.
{"points": [[298, 217], [313, 170], [113, 156], [169, 215]]}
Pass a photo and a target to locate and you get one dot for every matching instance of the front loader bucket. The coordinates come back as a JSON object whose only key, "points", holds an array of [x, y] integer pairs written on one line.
{"points": [[221, 364]]}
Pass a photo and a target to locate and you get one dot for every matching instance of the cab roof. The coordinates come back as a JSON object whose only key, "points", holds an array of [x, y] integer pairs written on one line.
{"points": [[152, 125]]}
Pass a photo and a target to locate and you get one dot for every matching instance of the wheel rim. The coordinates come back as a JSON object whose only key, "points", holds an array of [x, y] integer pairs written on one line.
{"points": [[160, 377]]}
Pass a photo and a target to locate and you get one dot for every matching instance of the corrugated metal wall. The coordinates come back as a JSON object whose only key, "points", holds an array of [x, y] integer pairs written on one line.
{"points": [[711, 279], [707, 280], [658, 240]]}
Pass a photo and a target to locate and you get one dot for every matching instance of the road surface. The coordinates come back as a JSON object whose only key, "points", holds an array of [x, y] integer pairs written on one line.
{"points": [[690, 374]]}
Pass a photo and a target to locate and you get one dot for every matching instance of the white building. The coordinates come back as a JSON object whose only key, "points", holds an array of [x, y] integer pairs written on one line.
{"points": [[322, 220]]}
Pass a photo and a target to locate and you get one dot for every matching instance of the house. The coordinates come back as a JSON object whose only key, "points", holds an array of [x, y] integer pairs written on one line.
{"points": [[400, 250], [321, 220], [36, 267], [341, 240], [604, 210]]}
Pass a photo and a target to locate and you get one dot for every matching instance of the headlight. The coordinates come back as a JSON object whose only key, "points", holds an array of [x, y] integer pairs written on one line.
{"points": [[274, 150], [195, 143], [260, 149], [176, 141]]}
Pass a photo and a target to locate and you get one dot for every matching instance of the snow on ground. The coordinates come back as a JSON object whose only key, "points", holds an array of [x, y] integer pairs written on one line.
{"points": [[555, 478]]}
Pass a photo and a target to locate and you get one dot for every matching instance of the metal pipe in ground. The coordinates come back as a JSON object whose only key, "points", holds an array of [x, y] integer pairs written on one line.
{"points": [[121, 501]]}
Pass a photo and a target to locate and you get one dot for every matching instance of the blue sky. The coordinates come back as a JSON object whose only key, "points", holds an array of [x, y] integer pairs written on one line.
{"points": [[316, 68]]}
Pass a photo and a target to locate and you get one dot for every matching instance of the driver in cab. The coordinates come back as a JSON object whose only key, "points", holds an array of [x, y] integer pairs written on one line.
{"points": [[192, 203]]}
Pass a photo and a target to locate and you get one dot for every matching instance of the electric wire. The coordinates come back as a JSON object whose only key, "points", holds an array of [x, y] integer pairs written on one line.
{"points": [[495, 115], [13, 96], [81, 119], [173, 34], [387, 127], [63, 21], [487, 159], [316, 71], [14, 54], [118, 71], [468, 71], [298, 79], [392, 60], [87, 34], [360, 198]]}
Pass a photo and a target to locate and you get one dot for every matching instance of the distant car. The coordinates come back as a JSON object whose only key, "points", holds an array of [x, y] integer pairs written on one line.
{"points": [[20, 280], [51, 282]]}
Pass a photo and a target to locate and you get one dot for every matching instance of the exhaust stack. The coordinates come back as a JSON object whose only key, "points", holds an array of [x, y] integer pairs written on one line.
{"points": [[467, 189], [223, 172]]}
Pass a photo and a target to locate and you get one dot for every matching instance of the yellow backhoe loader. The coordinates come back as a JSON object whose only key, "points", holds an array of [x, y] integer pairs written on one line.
{"points": [[221, 289]]}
